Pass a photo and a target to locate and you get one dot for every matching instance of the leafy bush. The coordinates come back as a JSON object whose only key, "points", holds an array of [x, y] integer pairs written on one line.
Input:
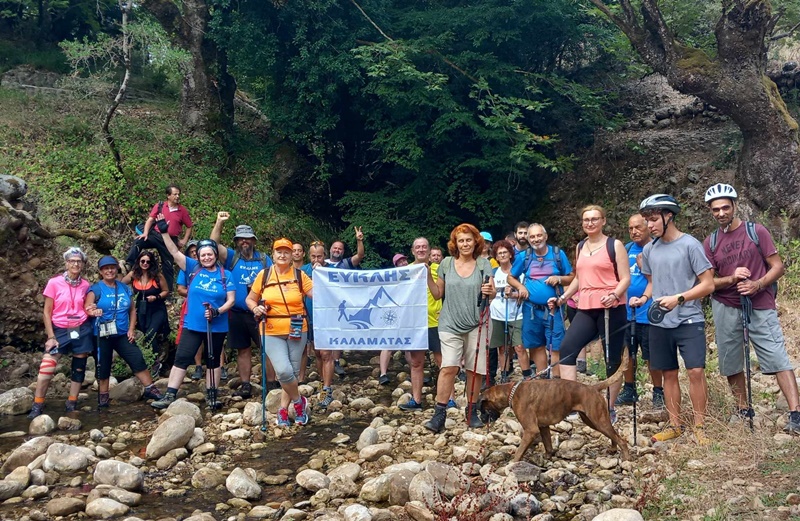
{"points": [[120, 370]]}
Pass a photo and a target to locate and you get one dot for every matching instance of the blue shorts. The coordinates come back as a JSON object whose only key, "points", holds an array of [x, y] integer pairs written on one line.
{"points": [[536, 327]]}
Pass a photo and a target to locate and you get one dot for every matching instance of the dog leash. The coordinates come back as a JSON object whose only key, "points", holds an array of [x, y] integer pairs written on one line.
{"points": [[512, 393]]}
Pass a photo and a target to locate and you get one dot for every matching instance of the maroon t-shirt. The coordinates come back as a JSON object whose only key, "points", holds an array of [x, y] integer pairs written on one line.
{"points": [[176, 218], [735, 250]]}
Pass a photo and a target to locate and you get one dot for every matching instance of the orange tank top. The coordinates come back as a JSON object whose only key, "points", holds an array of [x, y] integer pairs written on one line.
{"points": [[596, 278]]}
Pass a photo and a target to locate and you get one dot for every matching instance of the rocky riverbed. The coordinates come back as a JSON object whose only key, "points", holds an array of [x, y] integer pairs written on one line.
{"points": [[362, 459]]}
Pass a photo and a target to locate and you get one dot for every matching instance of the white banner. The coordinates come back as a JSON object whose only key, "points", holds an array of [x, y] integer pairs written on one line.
{"points": [[370, 310]]}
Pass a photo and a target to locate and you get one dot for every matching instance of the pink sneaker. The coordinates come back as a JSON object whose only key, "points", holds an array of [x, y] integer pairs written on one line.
{"points": [[301, 411], [283, 418]]}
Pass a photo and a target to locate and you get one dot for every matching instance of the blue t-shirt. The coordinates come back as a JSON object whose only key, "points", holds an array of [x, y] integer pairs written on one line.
{"points": [[105, 297], [638, 284], [180, 280], [538, 271], [308, 270], [244, 273], [206, 286]]}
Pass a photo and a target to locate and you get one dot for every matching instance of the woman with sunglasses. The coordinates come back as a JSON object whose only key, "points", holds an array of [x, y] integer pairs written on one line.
{"points": [[210, 294], [68, 330], [110, 302], [149, 291], [602, 282]]}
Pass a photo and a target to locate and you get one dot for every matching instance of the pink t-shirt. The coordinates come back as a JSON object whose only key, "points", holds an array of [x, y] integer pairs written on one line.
{"points": [[67, 301], [735, 249], [177, 218], [596, 278]]}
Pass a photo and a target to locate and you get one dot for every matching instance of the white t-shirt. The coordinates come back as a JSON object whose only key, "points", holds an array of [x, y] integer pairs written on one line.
{"points": [[497, 309]]}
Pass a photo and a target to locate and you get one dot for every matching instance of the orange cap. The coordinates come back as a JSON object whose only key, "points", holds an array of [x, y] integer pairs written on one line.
{"points": [[282, 243]]}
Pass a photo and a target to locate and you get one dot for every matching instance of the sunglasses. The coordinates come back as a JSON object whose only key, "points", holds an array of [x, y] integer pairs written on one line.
{"points": [[144, 261]]}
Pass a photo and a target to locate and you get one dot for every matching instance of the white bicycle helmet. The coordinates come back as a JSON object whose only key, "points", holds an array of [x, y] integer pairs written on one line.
{"points": [[720, 190], [660, 202]]}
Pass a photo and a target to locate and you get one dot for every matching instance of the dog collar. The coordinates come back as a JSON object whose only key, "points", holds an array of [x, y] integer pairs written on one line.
{"points": [[511, 394]]}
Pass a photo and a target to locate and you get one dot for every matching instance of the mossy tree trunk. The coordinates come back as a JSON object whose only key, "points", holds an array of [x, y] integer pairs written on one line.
{"points": [[735, 81]]}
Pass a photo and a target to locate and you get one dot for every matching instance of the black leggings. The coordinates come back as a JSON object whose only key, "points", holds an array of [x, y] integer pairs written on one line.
{"points": [[129, 352], [588, 323], [191, 342]]}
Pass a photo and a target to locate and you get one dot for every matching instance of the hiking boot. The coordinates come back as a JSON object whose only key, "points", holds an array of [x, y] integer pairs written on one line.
{"points": [[36, 410], [151, 392], [628, 396], [325, 402], [211, 400], [71, 405], [741, 416], [670, 432], [244, 391], [301, 411], [223, 373], [436, 423], [198, 373], [700, 436], [383, 379], [155, 369], [338, 369], [658, 399], [103, 400], [473, 418], [283, 418], [793, 427], [612, 413], [165, 401], [581, 366], [451, 404], [411, 405]]}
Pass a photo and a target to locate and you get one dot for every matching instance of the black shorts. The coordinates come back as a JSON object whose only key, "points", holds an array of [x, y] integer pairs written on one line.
{"points": [[688, 339], [641, 339], [67, 345], [434, 344], [242, 329]]}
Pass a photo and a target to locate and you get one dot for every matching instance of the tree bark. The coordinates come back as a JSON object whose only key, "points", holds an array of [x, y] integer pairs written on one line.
{"points": [[125, 8], [735, 81]]}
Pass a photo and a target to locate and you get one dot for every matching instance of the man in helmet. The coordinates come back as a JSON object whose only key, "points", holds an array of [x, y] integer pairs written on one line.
{"points": [[679, 275], [746, 263]]}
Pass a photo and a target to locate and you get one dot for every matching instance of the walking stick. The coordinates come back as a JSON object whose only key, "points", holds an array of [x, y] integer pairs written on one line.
{"points": [[263, 320], [506, 341], [552, 321], [209, 357], [606, 315], [483, 316], [747, 309], [635, 360]]}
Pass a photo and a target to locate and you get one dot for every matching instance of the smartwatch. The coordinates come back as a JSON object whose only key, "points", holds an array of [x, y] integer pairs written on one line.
{"points": [[681, 300]]}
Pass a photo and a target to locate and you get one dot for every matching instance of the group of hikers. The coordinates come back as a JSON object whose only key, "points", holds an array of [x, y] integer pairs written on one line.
{"points": [[489, 303]]}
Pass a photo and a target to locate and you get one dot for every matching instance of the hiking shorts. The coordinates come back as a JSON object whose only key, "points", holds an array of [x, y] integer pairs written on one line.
{"points": [[536, 327], [498, 337], [434, 344], [456, 346], [242, 329], [765, 335], [687, 339]]}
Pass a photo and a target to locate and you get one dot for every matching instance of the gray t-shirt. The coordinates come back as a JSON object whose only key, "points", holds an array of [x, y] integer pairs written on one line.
{"points": [[674, 267], [460, 312]]}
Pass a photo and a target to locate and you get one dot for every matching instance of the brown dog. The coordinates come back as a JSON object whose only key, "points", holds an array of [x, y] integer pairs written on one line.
{"points": [[537, 404]]}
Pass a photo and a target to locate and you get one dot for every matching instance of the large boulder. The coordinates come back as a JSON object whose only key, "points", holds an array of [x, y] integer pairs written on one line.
{"points": [[312, 480], [369, 436], [350, 470], [182, 406], [127, 391], [9, 489], [242, 484], [16, 401], [376, 489], [450, 481], [64, 506], [119, 474], [252, 414], [21, 475], [106, 508], [207, 478], [27, 452], [12, 187], [42, 424], [172, 434], [65, 458]]}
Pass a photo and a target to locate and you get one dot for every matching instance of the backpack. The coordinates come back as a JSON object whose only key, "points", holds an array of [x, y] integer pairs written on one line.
{"points": [[261, 257], [611, 253], [197, 269], [750, 229], [299, 277], [140, 227], [529, 258]]}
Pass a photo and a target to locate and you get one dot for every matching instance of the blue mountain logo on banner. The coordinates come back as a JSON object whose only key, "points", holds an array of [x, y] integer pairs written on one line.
{"points": [[362, 319]]}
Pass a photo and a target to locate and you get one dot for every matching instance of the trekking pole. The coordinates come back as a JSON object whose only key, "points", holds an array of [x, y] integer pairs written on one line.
{"points": [[635, 360], [482, 301], [209, 357], [606, 316], [552, 324], [506, 341], [747, 308], [263, 327]]}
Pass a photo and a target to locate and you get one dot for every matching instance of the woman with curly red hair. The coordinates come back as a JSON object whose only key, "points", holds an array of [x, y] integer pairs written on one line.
{"points": [[461, 279]]}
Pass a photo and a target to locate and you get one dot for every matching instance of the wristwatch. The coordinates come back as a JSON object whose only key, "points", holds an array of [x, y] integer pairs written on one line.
{"points": [[681, 300]]}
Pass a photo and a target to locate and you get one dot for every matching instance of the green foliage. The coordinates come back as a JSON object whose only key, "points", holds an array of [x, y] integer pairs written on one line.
{"points": [[13, 54], [789, 285], [120, 369]]}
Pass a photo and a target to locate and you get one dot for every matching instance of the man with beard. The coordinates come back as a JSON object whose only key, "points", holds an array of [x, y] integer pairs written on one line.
{"points": [[521, 236], [243, 264], [746, 264], [337, 260]]}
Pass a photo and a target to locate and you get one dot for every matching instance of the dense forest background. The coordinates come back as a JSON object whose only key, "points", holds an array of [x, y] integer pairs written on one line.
{"points": [[306, 117]]}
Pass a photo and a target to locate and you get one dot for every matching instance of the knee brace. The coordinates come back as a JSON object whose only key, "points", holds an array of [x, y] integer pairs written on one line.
{"points": [[47, 368], [78, 369]]}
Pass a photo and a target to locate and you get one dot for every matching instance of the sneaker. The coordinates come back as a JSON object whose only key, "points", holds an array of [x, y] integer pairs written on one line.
{"points": [[612, 413], [36, 410], [383, 379], [451, 404], [462, 376], [628, 396], [473, 418], [411, 405], [436, 423], [198, 373], [793, 427], [338, 369], [103, 400], [700, 436], [581, 365], [670, 432], [244, 391], [741, 416], [325, 402], [658, 399], [223, 373], [165, 401], [211, 400], [283, 417], [71, 405], [301, 411], [573, 416], [152, 393], [155, 369]]}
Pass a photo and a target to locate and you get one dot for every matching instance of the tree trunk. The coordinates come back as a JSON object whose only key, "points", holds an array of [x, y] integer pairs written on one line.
{"points": [[736, 83]]}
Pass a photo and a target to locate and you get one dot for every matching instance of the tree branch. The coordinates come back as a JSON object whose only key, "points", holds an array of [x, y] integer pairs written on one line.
{"points": [[784, 34], [371, 22]]}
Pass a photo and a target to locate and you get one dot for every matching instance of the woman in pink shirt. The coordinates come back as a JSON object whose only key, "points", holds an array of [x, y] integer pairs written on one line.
{"points": [[602, 284], [68, 330]]}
